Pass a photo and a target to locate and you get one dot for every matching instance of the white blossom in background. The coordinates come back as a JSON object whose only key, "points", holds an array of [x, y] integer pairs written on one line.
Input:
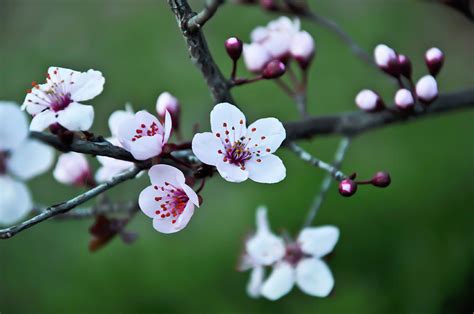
{"points": [[110, 167], [302, 47], [143, 135], [72, 169], [21, 159], [255, 57], [169, 201], [240, 152], [58, 100]]}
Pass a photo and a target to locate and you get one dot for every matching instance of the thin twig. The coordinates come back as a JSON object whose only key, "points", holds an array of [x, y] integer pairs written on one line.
{"points": [[326, 183], [196, 22]]}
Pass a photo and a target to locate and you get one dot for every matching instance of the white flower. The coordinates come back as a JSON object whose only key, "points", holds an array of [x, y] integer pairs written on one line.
{"points": [[427, 89], [302, 265], [168, 200], [72, 169], [58, 100], [241, 152], [143, 135], [20, 159]]}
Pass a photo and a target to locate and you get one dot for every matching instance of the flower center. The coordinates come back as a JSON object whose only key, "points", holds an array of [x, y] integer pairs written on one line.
{"points": [[238, 154], [143, 130], [172, 204], [293, 253], [3, 162], [59, 101]]}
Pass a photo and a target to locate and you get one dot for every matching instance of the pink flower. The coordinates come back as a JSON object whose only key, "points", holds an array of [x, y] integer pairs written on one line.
{"points": [[72, 169], [143, 135], [168, 103], [168, 200], [241, 152], [58, 100]]}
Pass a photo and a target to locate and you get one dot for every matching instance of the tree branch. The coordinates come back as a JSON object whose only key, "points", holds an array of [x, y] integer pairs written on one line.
{"points": [[198, 21]]}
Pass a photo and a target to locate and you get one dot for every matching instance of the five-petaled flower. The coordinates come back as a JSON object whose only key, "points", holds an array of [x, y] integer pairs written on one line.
{"points": [[241, 152], [168, 200], [20, 160], [143, 135], [57, 100]]}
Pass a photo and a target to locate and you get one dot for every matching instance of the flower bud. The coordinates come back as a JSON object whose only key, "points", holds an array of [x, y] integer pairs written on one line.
{"points": [[273, 69], [369, 101], [73, 169], [167, 102], [302, 48], [381, 179], [434, 59], [427, 89], [347, 187], [233, 46], [387, 60], [405, 66], [404, 99], [269, 5], [255, 57]]}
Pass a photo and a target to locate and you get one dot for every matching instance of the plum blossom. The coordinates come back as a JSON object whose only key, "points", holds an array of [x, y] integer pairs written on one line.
{"points": [[21, 159], [168, 200], [110, 167], [241, 152], [73, 169], [143, 135], [58, 100]]}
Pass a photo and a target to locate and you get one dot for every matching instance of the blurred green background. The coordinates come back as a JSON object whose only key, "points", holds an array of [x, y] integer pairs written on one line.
{"points": [[405, 249]]}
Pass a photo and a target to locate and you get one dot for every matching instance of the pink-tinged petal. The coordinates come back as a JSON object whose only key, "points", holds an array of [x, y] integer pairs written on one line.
{"points": [[32, 158], [142, 125], [166, 225], [15, 200], [256, 57], [36, 101], [86, 85], [76, 117], [314, 277], [146, 147], [267, 169], [318, 241], [167, 127], [226, 117], [265, 136], [160, 174], [150, 201], [116, 119], [255, 282], [193, 197], [280, 282], [13, 126], [259, 34], [302, 45], [278, 44], [231, 173], [71, 168], [43, 120], [208, 148]]}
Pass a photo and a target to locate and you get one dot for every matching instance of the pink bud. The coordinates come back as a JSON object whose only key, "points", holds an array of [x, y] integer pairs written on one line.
{"points": [[404, 99], [405, 66], [167, 102], [427, 89], [273, 69], [347, 187], [302, 48], [73, 169], [255, 57], [381, 179], [386, 58], [369, 101], [434, 59], [233, 46]]}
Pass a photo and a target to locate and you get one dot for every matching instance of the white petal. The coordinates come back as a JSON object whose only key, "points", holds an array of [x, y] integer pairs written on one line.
{"points": [[71, 168], [227, 117], [265, 248], [265, 135], [255, 282], [167, 127], [258, 34], [280, 282], [87, 85], [270, 169], [159, 174], [15, 200], [255, 57], [166, 225], [147, 202], [231, 173], [32, 158], [146, 147], [116, 118], [314, 277], [76, 117], [278, 44], [261, 220], [318, 241], [13, 125], [302, 45], [193, 197], [42, 120], [206, 147]]}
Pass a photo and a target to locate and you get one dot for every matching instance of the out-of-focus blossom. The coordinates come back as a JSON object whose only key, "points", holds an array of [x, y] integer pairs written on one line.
{"points": [[167, 102], [255, 57], [73, 169], [302, 48]]}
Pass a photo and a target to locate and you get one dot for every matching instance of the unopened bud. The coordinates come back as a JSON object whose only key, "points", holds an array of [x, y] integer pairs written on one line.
{"points": [[427, 89], [233, 46], [405, 66], [167, 102], [404, 99], [347, 187], [381, 179], [302, 48], [369, 101], [386, 59], [273, 69], [434, 59]]}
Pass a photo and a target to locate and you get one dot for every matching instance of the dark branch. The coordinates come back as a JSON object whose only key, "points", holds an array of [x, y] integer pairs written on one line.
{"points": [[198, 21]]}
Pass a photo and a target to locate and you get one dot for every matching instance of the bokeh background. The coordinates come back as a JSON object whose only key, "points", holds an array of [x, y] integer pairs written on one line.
{"points": [[405, 249]]}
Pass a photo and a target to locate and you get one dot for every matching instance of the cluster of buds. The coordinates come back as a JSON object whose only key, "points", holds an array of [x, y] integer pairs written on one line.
{"points": [[348, 187], [399, 66]]}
